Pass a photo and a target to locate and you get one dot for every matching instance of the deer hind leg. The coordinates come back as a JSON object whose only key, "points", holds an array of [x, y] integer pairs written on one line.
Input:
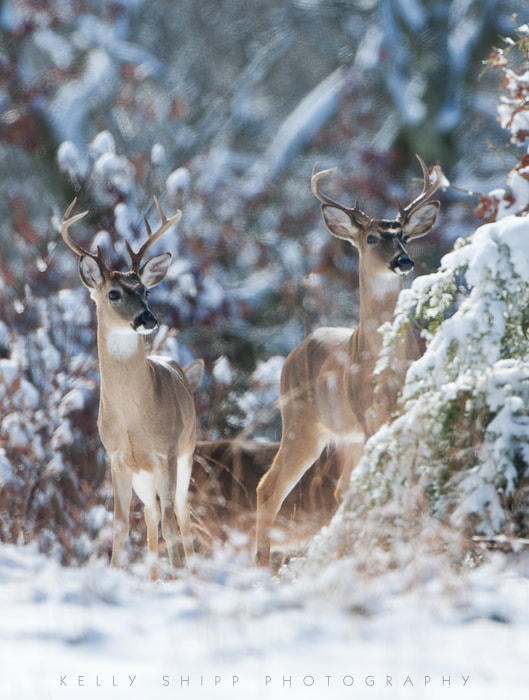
{"points": [[169, 523], [151, 514], [297, 453], [122, 487], [184, 466]]}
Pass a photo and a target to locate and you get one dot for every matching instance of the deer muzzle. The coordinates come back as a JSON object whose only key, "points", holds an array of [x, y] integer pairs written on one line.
{"points": [[145, 322], [402, 264]]}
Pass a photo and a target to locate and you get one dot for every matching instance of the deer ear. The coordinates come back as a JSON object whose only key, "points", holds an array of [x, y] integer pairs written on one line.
{"points": [[155, 269], [340, 224], [422, 220], [194, 373], [90, 272]]}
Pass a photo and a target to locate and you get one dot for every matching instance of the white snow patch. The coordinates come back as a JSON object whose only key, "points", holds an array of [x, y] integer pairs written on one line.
{"points": [[158, 155], [222, 371], [230, 631], [9, 371], [71, 161], [179, 181], [102, 143]]}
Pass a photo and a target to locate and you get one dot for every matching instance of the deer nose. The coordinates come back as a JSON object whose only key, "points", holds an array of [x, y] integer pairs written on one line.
{"points": [[402, 264], [145, 322]]}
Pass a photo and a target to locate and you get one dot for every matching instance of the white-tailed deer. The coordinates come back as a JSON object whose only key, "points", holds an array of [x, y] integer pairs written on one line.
{"points": [[327, 389], [146, 409]]}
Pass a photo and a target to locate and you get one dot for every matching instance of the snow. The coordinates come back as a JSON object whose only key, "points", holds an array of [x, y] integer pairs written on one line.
{"points": [[211, 296], [267, 373], [104, 35], [498, 251], [13, 426], [9, 371], [262, 395], [222, 370], [102, 143], [123, 220], [227, 630], [70, 160], [297, 129], [74, 101], [112, 173], [27, 396], [6, 471], [56, 46], [257, 285], [158, 155], [178, 181]]}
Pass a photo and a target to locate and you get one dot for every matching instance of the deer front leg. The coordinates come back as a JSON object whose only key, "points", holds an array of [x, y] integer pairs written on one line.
{"points": [[298, 451], [349, 454], [151, 513], [122, 486], [145, 485]]}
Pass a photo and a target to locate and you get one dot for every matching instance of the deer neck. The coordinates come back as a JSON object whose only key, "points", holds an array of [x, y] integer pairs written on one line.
{"points": [[122, 361], [378, 297]]}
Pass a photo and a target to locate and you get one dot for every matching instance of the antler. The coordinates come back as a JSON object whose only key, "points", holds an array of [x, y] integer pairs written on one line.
{"points": [[66, 222], [355, 211], [166, 224], [428, 189]]}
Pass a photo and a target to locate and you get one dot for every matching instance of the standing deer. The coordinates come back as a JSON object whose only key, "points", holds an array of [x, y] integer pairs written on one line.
{"points": [[146, 409], [327, 390]]}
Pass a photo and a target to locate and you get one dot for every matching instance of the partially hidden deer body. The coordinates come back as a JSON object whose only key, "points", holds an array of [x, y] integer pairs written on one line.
{"points": [[327, 393], [146, 411]]}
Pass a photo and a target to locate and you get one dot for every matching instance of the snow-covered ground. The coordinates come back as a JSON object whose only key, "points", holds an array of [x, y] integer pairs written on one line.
{"points": [[230, 631]]}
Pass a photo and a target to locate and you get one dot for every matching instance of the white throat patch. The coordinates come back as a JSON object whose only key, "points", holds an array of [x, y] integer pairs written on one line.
{"points": [[122, 342], [144, 331], [385, 283]]}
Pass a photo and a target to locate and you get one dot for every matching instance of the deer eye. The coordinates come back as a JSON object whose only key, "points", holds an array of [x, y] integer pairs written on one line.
{"points": [[114, 295], [372, 240]]}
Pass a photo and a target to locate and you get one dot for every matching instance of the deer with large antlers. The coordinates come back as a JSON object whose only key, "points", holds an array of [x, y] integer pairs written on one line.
{"points": [[146, 410], [327, 392]]}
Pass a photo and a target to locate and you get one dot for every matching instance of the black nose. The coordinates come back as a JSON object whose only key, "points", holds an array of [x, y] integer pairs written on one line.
{"points": [[402, 264], [145, 321]]}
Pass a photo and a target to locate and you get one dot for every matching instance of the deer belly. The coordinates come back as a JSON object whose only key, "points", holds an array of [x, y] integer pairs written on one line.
{"points": [[138, 455]]}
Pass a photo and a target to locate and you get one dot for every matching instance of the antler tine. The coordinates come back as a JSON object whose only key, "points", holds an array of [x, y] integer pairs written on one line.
{"points": [[428, 189], [166, 224], [314, 180], [66, 222]]}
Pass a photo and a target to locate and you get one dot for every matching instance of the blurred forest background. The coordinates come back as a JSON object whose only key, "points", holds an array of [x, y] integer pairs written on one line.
{"points": [[220, 109]]}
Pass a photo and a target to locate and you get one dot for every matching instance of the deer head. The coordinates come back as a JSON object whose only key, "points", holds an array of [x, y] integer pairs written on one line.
{"points": [[121, 297], [382, 242]]}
